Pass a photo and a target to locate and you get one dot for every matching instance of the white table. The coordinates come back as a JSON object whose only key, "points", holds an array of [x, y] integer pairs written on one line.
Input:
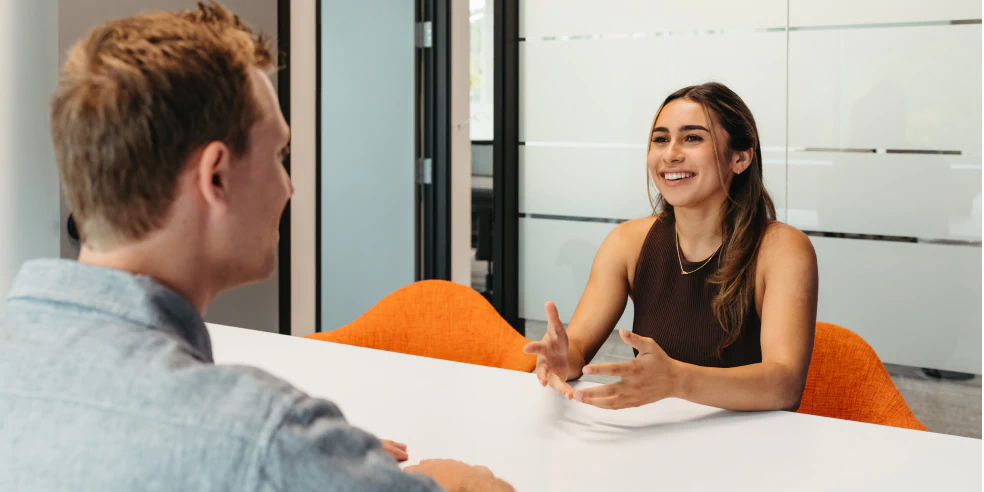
{"points": [[538, 441]]}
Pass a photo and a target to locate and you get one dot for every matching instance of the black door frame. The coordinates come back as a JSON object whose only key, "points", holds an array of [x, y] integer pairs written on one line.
{"points": [[505, 164], [433, 144], [283, 92], [317, 165]]}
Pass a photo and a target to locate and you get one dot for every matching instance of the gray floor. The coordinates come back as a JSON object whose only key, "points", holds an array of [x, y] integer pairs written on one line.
{"points": [[947, 407]]}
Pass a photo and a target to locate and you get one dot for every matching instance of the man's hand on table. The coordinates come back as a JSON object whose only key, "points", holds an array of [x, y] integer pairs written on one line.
{"points": [[457, 476], [395, 449]]}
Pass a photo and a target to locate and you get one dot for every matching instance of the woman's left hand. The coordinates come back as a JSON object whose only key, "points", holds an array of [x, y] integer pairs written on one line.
{"points": [[650, 377]]}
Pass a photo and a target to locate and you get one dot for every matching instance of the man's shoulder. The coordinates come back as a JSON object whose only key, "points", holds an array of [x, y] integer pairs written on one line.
{"points": [[239, 400], [153, 414], [147, 377]]}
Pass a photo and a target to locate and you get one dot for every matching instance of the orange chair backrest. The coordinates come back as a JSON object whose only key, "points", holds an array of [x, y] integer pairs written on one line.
{"points": [[441, 320], [848, 381]]}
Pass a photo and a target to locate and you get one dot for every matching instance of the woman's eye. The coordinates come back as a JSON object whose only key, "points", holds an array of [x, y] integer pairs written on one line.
{"points": [[693, 138], [660, 140]]}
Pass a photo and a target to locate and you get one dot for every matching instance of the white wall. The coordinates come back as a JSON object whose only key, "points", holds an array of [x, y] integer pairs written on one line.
{"points": [[303, 114], [254, 306], [899, 81], [460, 146], [29, 217]]}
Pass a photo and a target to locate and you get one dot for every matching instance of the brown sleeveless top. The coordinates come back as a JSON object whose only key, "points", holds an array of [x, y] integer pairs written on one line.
{"points": [[675, 309]]}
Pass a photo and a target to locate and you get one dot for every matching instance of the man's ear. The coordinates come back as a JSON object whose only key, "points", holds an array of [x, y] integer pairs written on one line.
{"points": [[214, 163], [741, 160]]}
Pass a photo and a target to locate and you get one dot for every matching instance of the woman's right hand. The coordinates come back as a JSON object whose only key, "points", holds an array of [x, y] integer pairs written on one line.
{"points": [[551, 354]]}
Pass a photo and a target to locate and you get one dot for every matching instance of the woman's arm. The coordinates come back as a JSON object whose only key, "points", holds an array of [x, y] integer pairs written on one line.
{"points": [[789, 305], [789, 318], [605, 296], [600, 307]]}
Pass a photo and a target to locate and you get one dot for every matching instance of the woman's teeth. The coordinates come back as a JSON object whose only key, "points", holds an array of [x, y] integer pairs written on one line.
{"points": [[676, 176]]}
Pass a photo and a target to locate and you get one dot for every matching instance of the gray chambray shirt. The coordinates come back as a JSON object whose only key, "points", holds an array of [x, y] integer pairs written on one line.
{"points": [[107, 383]]}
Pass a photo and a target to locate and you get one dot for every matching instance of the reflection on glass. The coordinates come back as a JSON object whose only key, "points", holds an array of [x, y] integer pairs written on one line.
{"points": [[481, 69], [481, 127]]}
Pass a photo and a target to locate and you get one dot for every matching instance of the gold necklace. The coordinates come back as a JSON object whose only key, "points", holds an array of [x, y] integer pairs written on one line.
{"points": [[676, 239]]}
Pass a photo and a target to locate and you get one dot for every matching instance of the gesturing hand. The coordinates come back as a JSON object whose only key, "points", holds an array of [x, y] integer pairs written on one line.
{"points": [[648, 378], [551, 354]]}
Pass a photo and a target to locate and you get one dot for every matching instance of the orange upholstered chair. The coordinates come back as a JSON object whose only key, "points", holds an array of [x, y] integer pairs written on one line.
{"points": [[847, 381], [438, 319]]}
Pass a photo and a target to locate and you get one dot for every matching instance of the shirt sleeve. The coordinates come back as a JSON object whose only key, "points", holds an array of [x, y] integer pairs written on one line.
{"points": [[314, 448]]}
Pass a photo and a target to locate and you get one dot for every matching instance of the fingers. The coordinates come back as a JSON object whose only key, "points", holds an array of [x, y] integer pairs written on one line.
{"points": [[607, 402], [620, 369], [541, 374], [608, 396], [398, 454], [553, 319], [426, 465], [535, 348], [397, 450], [504, 486], [642, 344], [395, 444], [561, 386], [598, 392]]}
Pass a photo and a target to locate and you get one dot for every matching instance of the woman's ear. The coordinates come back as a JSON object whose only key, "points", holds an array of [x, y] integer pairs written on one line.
{"points": [[741, 159]]}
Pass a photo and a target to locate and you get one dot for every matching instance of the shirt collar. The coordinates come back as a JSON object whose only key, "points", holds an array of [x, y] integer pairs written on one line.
{"points": [[138, 299]]}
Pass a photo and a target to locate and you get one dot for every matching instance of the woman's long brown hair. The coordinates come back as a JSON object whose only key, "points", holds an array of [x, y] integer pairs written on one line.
{"points": [[747, 212]]}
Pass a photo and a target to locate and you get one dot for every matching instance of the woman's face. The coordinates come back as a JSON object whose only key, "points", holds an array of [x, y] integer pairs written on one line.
{"points": [[681, 157]]}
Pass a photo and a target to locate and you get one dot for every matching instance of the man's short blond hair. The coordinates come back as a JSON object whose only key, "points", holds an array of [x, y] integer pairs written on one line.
{"points": [[135, 98]]}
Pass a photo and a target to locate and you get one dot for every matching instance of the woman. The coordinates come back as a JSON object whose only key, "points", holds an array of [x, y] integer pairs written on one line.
{"points": [[725, 297]]}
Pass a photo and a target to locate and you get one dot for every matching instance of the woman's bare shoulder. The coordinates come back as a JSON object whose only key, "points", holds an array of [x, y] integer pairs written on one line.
{"points": [[784, 242], [632, 233], [620, 251]]}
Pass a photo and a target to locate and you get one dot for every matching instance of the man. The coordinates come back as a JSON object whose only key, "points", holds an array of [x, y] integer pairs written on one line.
{"points": [[169, 142]]}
